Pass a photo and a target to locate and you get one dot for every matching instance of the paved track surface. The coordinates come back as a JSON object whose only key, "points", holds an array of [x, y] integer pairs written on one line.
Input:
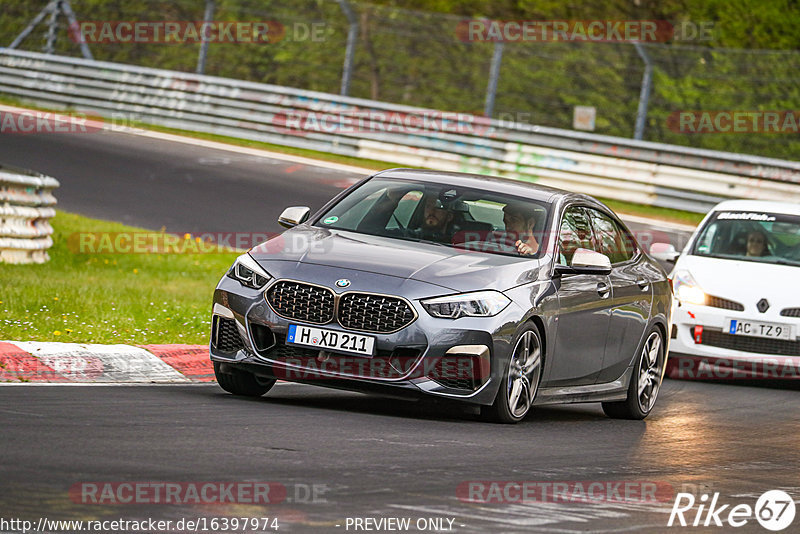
{"points": [[384, 458], [376, 457]]}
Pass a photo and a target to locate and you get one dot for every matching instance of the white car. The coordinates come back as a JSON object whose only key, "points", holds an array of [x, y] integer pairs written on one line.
{"points": [[737, 286]]}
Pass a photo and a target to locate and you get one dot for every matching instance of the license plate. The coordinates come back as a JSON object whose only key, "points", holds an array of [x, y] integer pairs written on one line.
{"points": [[330, 339], [738, 327]]}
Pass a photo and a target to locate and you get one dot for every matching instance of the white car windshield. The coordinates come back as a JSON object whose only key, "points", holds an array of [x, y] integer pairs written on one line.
{"points": [[751, 236]]}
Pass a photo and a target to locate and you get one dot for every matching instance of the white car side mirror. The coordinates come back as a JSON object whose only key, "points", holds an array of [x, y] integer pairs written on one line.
{"points": [[664, 252]]}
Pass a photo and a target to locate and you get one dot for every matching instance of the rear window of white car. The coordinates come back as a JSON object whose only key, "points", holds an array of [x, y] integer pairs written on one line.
{"points": [[751, 236]]}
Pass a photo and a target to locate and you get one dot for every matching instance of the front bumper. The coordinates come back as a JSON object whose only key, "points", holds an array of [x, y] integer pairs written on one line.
{"points": [[702, 347], [459, 359]]}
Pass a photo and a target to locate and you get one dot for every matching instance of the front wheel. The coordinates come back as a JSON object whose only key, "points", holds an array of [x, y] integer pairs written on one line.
{"points": [[242, 383], [518, 390], [645, 381]]}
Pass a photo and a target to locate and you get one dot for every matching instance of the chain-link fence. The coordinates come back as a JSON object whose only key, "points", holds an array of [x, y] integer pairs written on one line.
{"points": [[423, 59]]}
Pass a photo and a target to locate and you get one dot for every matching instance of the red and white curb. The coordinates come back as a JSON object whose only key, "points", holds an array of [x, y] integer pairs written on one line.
{"points": [[49, 362]]}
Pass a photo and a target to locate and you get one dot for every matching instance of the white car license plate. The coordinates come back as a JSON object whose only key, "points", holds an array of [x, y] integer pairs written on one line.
{"points": [[330, 339], [738, 327]]}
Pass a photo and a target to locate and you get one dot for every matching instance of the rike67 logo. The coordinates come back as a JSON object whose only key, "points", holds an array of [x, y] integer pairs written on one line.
{"points": [[774, 510]]}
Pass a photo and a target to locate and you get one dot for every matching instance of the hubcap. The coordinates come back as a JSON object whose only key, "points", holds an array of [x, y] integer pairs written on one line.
{"points": [[650, 372], [523, 374]]}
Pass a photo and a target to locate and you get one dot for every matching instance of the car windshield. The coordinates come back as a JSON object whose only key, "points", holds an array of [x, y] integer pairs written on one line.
{"points": [[446, 215], [751, 236]]}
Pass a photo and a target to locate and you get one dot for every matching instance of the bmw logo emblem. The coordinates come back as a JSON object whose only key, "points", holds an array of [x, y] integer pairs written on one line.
{"points": [[344, 282]]}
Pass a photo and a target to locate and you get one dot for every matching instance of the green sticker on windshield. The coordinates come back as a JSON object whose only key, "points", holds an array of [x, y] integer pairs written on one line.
{"points": [[331, 220]]}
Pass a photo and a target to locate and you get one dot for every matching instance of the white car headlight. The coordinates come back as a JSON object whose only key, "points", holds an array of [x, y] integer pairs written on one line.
{"points": [[248, 272], [478, 304], [686, 289]]}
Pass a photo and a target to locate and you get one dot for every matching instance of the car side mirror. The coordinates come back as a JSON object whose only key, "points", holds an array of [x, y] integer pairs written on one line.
{"points": [[585, 261], [664, 252], [293, 216]]}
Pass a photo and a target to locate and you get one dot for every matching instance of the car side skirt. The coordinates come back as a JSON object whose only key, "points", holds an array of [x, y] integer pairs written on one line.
{"points": [[609, 391]]}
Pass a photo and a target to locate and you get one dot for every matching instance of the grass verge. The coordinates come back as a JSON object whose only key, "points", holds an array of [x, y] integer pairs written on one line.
{"points": [[109, 298]]}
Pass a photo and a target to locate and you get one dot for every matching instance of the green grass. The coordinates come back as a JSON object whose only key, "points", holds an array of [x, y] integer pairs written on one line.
{"points": [[109, 298], [654, 212]]}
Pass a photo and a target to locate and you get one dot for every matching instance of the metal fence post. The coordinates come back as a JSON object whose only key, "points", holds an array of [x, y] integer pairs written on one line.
{"points": [[644, 95], [207, 18], [52, 9], [74, 27], [494, 75], [352, 35]]}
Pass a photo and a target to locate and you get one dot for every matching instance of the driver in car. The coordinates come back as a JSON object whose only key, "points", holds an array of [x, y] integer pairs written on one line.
{"points": [[436, 221]]}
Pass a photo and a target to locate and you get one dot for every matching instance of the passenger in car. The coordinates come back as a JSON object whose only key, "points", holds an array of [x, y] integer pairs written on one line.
{"points": [[519, 221], [757, 244]]}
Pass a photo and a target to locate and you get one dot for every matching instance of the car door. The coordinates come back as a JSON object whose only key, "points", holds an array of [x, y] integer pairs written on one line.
{"points": [[631, 293], [584, 309]]}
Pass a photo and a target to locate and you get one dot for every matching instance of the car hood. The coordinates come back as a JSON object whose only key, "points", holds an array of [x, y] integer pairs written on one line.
{"points": [[447, 267], [745, 282]]}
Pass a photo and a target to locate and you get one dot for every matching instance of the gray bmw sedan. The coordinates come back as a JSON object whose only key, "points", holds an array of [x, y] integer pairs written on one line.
{"points": [[498, 293]]}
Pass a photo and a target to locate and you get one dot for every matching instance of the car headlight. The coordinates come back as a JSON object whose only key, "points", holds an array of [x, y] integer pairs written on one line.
{"points": [[248, 272], [687, 289], [478, 304]]}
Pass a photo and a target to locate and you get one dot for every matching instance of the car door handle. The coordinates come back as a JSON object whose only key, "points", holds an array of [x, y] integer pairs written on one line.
{"points": [[643, 283], [603, 289]]}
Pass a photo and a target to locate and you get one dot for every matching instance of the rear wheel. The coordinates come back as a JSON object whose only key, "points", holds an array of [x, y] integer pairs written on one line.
{"points": [[242, 383], [645, 382], [521, 380]]}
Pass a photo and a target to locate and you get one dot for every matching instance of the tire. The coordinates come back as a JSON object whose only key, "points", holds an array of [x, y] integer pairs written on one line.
{"points": [[242, 383], [645, 381], [521, 379]]}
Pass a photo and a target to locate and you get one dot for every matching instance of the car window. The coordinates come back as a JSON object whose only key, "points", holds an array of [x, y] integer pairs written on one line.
{"points": [[460, 217], [753, 236], [575, 232], [611, 238]]}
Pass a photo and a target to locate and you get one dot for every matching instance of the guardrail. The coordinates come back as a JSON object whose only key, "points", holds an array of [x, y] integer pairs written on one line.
{"points": [[623, 169], [26, 207]]}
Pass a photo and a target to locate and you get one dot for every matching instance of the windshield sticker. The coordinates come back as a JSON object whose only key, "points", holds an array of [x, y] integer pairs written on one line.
{"points": [[743, 216], [331, 220]]}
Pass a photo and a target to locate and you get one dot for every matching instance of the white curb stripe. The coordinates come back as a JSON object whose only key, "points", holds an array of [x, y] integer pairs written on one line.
{"points": [[102, 363]]}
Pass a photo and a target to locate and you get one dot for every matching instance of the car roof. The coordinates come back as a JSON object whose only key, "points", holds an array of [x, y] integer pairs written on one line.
{"points": [[479, 181], [770, 206]]}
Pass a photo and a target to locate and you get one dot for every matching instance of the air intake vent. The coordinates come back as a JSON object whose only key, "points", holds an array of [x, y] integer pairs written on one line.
{"points": [[226, 336]]}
